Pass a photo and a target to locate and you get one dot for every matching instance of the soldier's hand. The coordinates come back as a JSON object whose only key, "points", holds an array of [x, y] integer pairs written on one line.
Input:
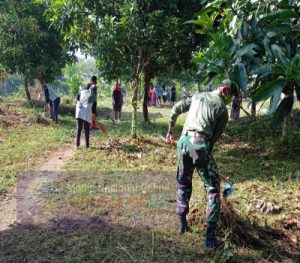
{"points": [[169, 139]]}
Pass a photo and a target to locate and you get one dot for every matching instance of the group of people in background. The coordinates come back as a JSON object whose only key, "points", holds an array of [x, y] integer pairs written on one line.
{"points": [[161, 95], [201, 130], [86, 106]]}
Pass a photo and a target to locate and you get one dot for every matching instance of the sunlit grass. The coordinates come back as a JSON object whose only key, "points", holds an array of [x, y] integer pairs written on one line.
{"points": [[27, 141]]}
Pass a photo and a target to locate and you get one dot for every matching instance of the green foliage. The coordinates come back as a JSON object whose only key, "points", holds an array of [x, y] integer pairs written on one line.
{"points": [[29, 44], [74, 83], [269, 89], [253, 43], [126, 29], [239, 76]]}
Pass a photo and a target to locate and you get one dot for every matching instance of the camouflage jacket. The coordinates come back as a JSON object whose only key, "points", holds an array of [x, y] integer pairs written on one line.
{"points": [[207, 114]]}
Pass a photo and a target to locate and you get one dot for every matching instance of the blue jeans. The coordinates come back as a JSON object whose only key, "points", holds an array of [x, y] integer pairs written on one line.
{"points": [[56, 103]]}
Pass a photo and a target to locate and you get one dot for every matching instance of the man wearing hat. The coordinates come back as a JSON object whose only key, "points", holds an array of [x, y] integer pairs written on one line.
{"points": [[206, 120]]}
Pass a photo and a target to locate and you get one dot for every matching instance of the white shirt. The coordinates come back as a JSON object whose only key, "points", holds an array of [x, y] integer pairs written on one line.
{"points": [[84, 106]]}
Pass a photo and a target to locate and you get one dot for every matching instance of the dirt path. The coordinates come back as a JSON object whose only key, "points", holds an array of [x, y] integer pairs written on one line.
{"points": [[21, 206]]}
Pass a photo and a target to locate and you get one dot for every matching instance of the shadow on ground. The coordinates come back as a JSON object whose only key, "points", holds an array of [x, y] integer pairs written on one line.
{"points": [[70, 240], [118, 232], [78, 240]]}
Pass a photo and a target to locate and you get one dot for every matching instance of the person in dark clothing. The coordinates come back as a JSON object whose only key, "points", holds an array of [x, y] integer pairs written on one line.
{"points": [[173, 94], [117, 101], [236, 107], [85, 101], [53, 101], [92, 87]]}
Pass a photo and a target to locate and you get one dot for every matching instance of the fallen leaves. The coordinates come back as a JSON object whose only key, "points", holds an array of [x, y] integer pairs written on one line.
{"points": [[268, 207], [291, 223], [264, 207]]}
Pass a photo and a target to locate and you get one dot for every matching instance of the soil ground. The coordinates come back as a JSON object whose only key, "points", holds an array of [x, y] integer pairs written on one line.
{"points": [[21, 205]]}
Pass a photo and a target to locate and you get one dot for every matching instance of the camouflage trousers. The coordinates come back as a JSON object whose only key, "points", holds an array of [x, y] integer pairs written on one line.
{"points": [[194, 153]]}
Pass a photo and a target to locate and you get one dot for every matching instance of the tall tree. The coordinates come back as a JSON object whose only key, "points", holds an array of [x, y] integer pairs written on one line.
{"points": [[130, 38], [28, 43]]}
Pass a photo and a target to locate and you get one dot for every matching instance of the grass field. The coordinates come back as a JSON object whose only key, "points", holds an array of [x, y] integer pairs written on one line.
{"points": [[116, 200]]}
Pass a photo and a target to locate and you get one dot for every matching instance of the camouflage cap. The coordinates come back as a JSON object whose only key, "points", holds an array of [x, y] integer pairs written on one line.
{"points": [[226, 82]]}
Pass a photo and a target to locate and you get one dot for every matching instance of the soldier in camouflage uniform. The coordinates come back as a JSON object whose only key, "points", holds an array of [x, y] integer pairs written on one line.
{"points": [[206, 120]]}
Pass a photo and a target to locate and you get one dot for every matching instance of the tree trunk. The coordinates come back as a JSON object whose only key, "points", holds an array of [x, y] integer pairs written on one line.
{"points": [[286, 124], [134, 108], [253, 109], [146, 97], [27, 89], [40, 79], [139, 69], [138, 72], [287, 118]]}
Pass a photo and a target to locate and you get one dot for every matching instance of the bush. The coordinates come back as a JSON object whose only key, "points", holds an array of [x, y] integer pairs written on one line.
{"points": [[67, 99]]}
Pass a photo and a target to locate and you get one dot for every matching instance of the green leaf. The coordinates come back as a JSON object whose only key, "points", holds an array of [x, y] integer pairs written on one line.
{"points": [[268, 90], [266, 43], [279, 15], [216, 69], [254, 24], [284, 4], [200, 31], [239, 76], [244, 30], [262, 70], [280, 56], [278, 28], [284, 108], [274, 101], [204, 20], [295, 62], [227, 44], [248, 48]]}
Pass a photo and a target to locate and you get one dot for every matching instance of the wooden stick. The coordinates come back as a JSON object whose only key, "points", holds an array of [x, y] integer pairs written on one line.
{"points": [[102, 128], [106, 115], [248, 114]]}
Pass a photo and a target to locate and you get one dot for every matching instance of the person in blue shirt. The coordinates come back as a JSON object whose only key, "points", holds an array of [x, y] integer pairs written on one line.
{"points": [[159, 93]]}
